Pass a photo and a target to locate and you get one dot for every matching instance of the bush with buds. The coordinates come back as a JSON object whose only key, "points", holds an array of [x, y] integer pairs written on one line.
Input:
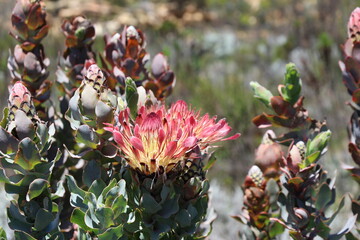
{"points": [[107, 159]]}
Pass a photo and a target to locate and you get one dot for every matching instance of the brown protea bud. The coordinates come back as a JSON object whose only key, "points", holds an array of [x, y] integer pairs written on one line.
{"points": [[80, 35], [29, 20], [78, 31], [163, 80], [256, 199], [269, 155], [354, 25]]}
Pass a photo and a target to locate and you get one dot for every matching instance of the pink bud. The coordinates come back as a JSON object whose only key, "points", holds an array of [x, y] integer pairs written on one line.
{"points": [[19, 94], [354, 25]]}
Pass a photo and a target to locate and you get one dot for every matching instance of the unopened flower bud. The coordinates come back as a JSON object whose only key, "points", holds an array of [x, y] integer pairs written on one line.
{"points": [[354, 25], [20, 99]]}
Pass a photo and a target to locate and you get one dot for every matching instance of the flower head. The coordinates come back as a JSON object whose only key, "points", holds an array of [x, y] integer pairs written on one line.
{"points": [[158, 139]]}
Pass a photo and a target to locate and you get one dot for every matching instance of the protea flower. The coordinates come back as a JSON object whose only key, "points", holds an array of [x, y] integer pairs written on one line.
{"points": [[157, 140]]}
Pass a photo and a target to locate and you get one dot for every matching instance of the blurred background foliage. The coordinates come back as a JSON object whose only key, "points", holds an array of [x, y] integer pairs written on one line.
{"points": [[216, 47]]}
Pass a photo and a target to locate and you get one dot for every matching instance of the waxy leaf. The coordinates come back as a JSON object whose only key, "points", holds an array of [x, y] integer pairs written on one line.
{"points": [[28, 154], [113, 233], [36, 188]]}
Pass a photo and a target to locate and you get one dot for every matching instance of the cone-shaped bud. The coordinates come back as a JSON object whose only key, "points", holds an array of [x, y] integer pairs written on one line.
{"points": [[261, 93], [255, 177], [291, 89], [22, 116], [354, 25], [20, 99], [94, 96], [28, 18], [269, 155]]}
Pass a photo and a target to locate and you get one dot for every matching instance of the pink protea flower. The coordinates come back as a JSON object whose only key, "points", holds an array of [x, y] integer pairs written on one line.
{"points": [[354, 25], [159, 139]]}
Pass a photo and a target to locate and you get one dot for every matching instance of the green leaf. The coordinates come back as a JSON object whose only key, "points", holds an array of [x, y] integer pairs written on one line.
{"points": [[73, 114], [87, 136], [73, 186], [210, 162], [107, 189], [261, 93], [276, 229], [77, 194], [97, 187], [310, 159], [319, 142], [2, 234], [8, 143], [36, 188], [28, 154], [91, 172], [4, 120], [42, 132], [131, 96], [150, 204], [113, 233], [170, 207], [183, 218], [78, 217], [3, 177], [23, 236], [43, 219], [105, 216], [119, 206], [324, 196]]}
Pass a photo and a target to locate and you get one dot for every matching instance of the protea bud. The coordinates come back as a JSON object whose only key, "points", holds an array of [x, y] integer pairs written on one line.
{"points": [[254, 178], [80, 34], [78, 31], [163, 79], [354, 25], [127, 56], [296, 155], [22, 116], [268, 156]]}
